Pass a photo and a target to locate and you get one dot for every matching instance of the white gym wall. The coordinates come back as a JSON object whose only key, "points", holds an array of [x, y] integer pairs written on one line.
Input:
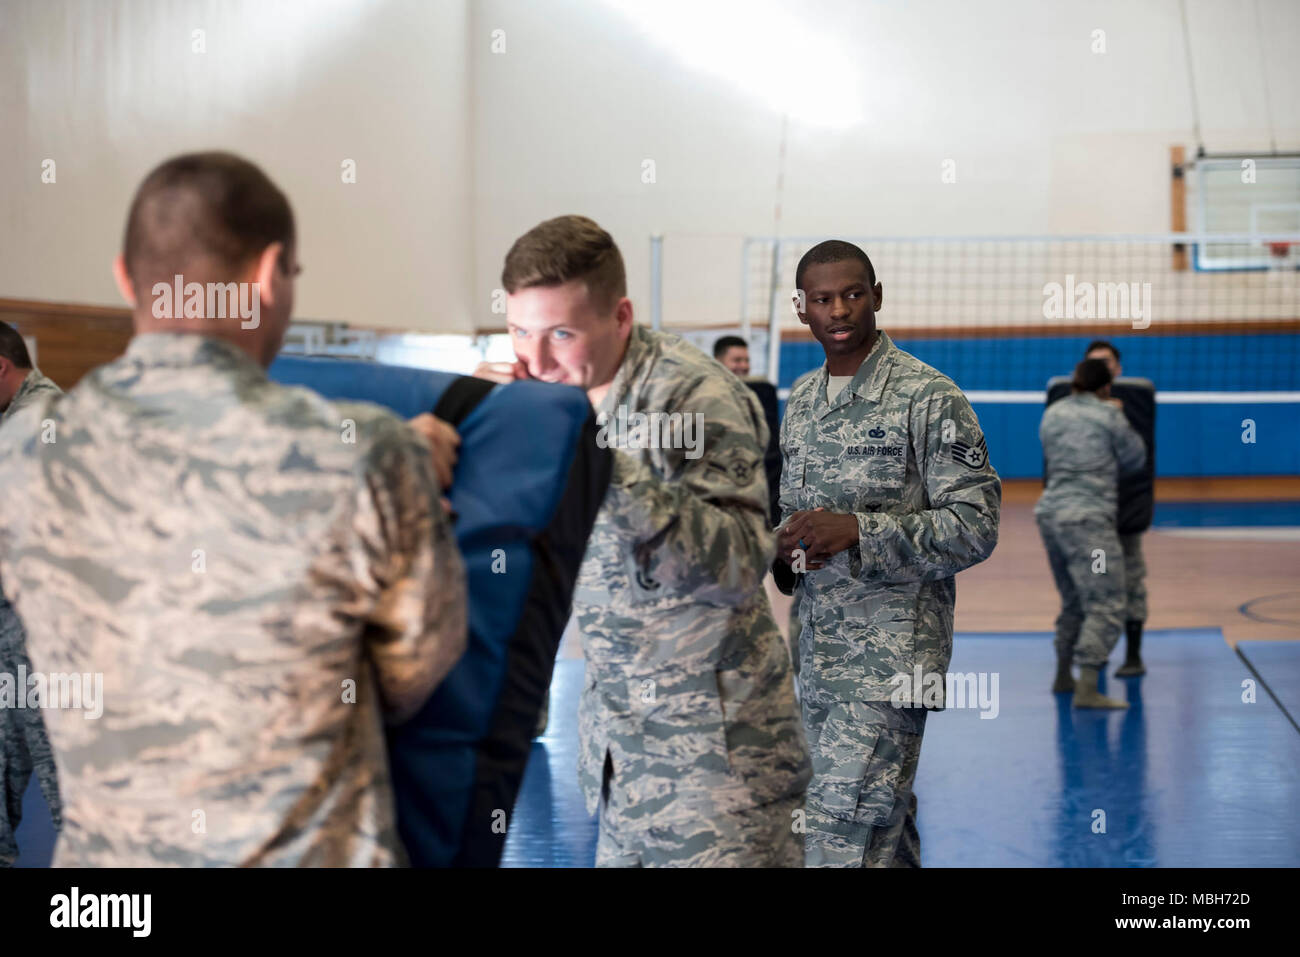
{"points": [[460, 148], [109, 88]]}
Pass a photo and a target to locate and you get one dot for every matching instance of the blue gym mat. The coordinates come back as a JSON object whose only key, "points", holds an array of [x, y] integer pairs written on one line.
{"points": [[1278, 665], [550, 826], [1189, 776]]}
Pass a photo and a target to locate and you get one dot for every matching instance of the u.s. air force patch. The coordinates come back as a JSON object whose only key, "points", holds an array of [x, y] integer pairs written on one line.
{"points": [[972, 456]]}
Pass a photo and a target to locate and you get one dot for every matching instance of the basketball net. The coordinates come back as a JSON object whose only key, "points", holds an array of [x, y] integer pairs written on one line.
{"points": [[1282, 256]]}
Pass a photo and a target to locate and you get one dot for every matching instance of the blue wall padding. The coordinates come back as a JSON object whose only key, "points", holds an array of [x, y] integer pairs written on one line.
{"points": [[1192, 439], [1175, 363]]}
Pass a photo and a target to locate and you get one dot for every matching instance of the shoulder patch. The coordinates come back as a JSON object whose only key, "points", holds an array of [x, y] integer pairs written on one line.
{"points": [[973, 457], [739, 466]]}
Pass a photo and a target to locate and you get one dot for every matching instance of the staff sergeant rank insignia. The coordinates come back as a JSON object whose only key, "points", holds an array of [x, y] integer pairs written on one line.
{"points": [[971, 456]]}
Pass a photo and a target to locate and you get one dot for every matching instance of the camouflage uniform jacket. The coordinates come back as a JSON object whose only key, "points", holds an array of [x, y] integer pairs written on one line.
{"points": [[901, 448], [253, 587], [1087, 445], [689, 689], [34, 386]]}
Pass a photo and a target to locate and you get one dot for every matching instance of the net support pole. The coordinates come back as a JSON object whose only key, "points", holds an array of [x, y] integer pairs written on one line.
{"points": [[745, 330], [773, 317], [656, 282], [1178, 203]]}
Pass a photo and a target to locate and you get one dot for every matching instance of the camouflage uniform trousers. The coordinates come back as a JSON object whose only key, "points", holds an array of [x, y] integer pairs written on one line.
{"points": [[1135, 578], [24, 747], [762, 836], [861, 803], [1092, 602], [796, 629]]}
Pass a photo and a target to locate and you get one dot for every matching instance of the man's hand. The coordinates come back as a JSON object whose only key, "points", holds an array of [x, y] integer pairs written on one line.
{"points": [[787, 544], [1117, 403], [819, 533], [502, 372], [444, 441]]}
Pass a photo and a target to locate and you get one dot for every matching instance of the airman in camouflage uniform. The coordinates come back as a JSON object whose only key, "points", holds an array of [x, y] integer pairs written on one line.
{"points": [[690, 741], [24, 745], [886, 493], [254, 577], [1087, 444], [252, 588], [689, 728]]}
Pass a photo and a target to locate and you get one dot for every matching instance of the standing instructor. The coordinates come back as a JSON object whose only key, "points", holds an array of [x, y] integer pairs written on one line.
{"points": [[886, 493]]}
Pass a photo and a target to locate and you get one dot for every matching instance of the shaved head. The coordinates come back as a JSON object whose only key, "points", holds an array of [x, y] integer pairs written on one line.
{"points": [[833, 251], [205, 216]]}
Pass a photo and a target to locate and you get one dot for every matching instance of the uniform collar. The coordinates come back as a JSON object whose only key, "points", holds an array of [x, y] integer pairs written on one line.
{"points": [[31, 382], [180, 349], [868, 382], [638, 347]]}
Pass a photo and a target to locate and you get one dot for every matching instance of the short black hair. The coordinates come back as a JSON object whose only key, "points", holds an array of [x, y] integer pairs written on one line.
{"points": [[13, 347], [1102, 344], [1091, 375], [832, 251], [203, 212], [726, 342]]}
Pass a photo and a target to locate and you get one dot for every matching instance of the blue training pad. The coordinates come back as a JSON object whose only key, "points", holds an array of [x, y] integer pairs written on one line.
{"points": [[518, 443]]}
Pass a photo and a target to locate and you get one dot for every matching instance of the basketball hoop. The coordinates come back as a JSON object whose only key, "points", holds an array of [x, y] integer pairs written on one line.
{"points": [[1282, 254]]}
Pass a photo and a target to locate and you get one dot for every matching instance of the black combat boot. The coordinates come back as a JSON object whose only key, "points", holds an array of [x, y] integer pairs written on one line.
{"points": [[1132, 666], [1064, 681]]}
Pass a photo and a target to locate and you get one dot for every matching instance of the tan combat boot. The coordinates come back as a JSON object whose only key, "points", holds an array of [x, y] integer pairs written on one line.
{"points": [[1086, 694]]}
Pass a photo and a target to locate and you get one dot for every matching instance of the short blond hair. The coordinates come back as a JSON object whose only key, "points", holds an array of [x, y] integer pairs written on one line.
{"points": [[564, 249]]}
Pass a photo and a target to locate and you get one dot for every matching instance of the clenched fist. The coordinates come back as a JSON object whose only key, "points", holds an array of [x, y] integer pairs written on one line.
{"points": [[502, 372]]}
